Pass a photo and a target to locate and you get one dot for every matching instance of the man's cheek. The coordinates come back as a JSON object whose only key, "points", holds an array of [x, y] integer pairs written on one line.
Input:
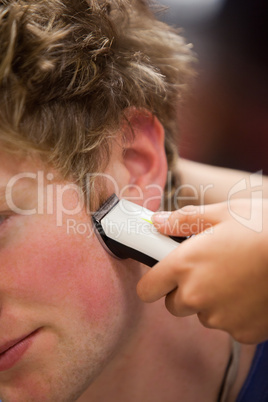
{"points": [[96, 286], [62, 271]]}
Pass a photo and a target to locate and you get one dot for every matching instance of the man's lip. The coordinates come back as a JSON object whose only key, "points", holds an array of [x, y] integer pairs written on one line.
{"points": [[9, 344]]}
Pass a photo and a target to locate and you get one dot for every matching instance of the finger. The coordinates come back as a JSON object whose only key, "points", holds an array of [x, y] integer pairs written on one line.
{"points": [[189, 220], [205, 319], [157, 282], [216, 318], [173, 270], [176, 306]]}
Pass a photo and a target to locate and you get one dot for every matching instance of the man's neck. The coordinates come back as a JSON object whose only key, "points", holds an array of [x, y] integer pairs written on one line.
{"points": [[168, 359]]}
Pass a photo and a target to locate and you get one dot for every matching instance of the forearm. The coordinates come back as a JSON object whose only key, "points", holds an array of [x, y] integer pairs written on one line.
{"points": [[205, 184]]}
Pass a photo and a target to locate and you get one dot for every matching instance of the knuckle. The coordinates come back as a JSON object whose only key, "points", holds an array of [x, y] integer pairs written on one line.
{"points": [[188, 210], [208, 320], [172, 306], [184, 214], [188, 298], [175, 306]]}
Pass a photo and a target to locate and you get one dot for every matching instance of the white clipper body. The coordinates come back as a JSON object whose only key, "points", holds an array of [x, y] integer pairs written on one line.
{"points": [[128, 232]]}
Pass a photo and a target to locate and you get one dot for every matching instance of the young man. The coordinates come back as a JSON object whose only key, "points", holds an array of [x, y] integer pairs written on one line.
{"points": [[90, 88]]}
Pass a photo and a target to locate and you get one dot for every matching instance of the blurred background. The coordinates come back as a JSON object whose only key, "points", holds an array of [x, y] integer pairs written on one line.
{"points": [[228, 124]]}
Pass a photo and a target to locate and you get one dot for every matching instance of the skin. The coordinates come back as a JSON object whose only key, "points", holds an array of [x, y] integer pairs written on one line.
{"points": [[205, 184], [221, 274], [48, 283], [96, 340]]}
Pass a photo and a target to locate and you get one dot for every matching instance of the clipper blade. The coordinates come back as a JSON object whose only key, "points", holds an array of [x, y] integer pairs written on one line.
{"points": [[113, 247]]}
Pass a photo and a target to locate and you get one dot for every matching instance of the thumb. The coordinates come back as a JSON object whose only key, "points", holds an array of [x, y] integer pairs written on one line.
{"points": [[189, 220]]}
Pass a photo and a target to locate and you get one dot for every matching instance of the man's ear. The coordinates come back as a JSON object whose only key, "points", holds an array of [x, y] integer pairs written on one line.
{"points": [[144, 158]]}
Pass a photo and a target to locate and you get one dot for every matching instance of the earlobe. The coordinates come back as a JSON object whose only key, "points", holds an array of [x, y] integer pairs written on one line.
{"points": [[145, 158]]}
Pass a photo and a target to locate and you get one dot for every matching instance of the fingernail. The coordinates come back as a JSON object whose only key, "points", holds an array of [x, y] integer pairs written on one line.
{"points": [[161, 217]]}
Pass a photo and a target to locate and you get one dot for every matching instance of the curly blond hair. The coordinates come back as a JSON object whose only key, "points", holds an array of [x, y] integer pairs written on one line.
{"points": [[69, 69]]}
